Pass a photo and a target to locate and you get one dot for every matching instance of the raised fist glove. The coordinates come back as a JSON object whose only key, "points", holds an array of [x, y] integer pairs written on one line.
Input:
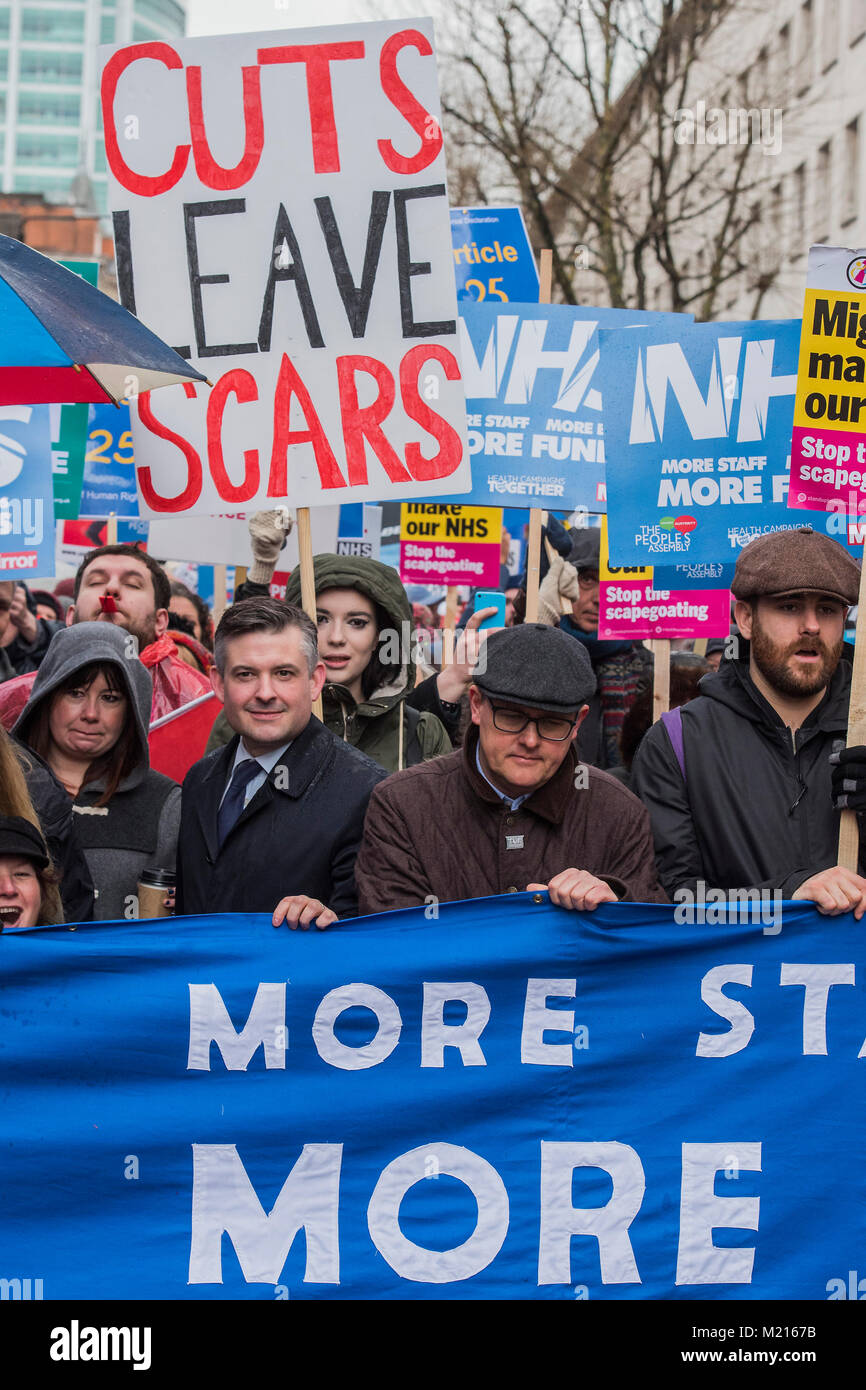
{"points": [[560, 582], [268, 532], [849, 778]]}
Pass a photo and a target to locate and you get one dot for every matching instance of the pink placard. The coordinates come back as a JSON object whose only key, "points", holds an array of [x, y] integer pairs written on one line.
{"points": [[828, 466], [635, 609], [450, 562]]}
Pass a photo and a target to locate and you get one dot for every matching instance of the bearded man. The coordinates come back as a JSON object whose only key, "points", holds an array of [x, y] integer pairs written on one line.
{"points": [[744, 785], [125, 586]]}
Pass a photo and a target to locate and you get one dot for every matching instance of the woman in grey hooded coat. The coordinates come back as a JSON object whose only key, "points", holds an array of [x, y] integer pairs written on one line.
{"points": [[87, 717]]}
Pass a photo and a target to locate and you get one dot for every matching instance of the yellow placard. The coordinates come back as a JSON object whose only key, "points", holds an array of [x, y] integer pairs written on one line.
{"points": [[831, 373], [436, 521], [606, 572]]}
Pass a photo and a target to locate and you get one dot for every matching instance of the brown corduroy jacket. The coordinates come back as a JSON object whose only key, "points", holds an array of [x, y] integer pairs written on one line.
{"points": [[440, 830]]}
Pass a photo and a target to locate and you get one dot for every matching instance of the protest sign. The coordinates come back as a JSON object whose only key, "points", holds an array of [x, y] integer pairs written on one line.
{"points": [[178, 739], [450, 544], [26, 492], [492, 255], [632, 604], [360, 531], [828, 444], [698, 423], [75, 538], [511, 1101], [281, 215], [534, 411], [108, 484], [226, 539]]}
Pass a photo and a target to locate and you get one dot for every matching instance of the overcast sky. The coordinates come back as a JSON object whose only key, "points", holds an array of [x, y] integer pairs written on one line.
{"points": [[245, 16]]}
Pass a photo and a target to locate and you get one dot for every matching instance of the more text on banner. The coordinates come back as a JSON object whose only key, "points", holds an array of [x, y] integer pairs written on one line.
{"points": [[698, 426], [534, 410], [507, 1101]]}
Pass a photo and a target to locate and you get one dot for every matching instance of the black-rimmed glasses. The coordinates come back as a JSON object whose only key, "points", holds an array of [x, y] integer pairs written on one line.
{"points": [[548, 726]]}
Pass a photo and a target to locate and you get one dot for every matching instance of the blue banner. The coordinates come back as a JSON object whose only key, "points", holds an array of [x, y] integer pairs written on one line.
{"points": [[26, 492], [504, 1100], [534, 410], [492, 255], [109, 469], [698, 427]]}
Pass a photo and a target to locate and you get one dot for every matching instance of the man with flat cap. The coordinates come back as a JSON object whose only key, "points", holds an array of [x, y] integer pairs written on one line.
{"points": [[744, 784], [514, 808]]}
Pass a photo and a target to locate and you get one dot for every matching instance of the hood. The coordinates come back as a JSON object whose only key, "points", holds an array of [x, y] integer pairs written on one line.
{"points": [[733, 686], [78, 646], [380, 583]]}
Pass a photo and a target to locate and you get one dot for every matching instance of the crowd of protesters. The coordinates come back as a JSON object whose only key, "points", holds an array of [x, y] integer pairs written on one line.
{"points": [[528, 762]]}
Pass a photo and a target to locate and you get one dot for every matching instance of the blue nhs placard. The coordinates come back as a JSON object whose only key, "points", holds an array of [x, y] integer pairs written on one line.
{"points": [[492, 256], [26, 492]]}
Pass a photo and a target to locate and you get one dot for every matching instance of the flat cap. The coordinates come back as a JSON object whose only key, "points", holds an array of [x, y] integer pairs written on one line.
{"points": [[793, 562], [537, 666]]}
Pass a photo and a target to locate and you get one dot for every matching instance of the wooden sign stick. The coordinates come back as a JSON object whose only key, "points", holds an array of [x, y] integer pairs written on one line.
{"points": [[535, 513], [111, 529], [308, 578], [661, 676], [450, 624], [849, 831], [219, 593]]}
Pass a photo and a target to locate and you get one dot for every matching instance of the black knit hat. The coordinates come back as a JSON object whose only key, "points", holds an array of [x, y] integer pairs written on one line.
{"points": [[18, 836], [537, 666]]}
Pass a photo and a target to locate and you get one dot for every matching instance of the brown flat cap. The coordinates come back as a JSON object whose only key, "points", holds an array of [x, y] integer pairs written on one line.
{"points": [[793, 562]]}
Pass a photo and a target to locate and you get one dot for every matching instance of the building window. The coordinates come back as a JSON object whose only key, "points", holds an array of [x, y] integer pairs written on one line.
{"points": [[4, 21], [52, 26], [822, 194], [783, 66], [43, 65], [830, 34], [804, 49], [56, 187], [851, 180], [49, 108], [164, 12], [799, 209], [35, 148], [106, 28]]}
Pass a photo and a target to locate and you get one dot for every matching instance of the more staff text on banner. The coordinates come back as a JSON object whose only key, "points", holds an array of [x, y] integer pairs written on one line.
{"points": [[698, 427], [505, 1101]]}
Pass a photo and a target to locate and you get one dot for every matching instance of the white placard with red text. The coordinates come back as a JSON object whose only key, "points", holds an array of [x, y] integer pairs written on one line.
{"points": [[225, 540], [281, 218]]}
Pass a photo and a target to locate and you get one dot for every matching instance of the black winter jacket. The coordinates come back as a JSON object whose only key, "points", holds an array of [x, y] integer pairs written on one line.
{"points": [[755, 810], [53, 807], [300, 833]]}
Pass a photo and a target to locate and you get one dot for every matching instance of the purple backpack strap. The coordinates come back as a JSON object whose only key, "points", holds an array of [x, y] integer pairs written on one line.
{"points": [[673, 722]]}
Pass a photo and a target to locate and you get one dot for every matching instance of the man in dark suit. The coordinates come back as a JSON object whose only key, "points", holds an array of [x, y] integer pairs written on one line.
{"points": [[276, 816]]}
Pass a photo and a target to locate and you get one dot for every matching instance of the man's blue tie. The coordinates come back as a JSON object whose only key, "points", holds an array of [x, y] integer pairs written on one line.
{"points": [[233, 801]]}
